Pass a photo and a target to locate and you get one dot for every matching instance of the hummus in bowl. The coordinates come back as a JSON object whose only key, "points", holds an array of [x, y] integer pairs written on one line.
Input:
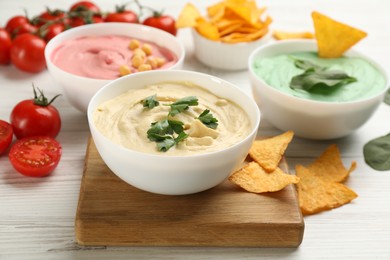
{"points": [[120, 125]]}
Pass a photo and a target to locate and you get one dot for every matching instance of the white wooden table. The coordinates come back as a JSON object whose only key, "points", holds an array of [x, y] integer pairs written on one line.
{"points": [[37, 214]]}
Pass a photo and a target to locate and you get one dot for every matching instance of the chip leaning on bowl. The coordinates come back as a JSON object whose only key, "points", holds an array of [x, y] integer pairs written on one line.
{"points": [[319, 89]]}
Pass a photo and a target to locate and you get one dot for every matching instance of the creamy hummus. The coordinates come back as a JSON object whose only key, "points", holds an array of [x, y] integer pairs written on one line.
{"points": [[277, 71], [125, 121], [101, 57]]}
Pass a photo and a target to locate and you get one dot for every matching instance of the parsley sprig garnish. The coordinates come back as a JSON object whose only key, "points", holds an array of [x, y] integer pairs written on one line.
{"points": [[151, 101], [318, 76], [182, 104], [208, 119], [167, 132]]}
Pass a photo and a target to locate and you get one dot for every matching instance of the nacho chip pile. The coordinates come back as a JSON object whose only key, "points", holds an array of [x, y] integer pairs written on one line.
{"points": [[229, 21], [318, 184]]}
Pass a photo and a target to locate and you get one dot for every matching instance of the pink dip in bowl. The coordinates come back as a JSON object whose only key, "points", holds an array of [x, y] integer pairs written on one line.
{"points": [[101, 57]]}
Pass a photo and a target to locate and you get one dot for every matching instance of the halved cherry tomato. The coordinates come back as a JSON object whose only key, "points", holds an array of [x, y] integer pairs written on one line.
{"points": [[163, 22], [122, 15], [27, 53], [35, 117], [6, 134], [19, 25], [5, 47], [35, 156]]}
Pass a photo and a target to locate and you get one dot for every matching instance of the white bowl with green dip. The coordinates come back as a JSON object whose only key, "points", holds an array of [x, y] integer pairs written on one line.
{"points": [[315, 97]]}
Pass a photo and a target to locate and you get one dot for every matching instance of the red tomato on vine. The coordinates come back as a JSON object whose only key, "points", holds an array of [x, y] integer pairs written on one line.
{"points": [[35, 117]]}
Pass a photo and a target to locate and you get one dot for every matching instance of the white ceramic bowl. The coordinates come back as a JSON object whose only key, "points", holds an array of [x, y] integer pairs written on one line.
{"points": [[79, 90], [173, 175], [307, 118], [225, 56]]}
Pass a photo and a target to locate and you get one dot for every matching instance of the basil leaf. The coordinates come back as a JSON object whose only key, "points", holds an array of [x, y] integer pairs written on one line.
{"points": [[208, 119], [387, 97], [326, 78], [377, 153], [306, 65], [151, 101]]}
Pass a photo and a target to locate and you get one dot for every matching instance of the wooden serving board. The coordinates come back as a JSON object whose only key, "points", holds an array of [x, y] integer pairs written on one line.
{"points": [[113, 213]]}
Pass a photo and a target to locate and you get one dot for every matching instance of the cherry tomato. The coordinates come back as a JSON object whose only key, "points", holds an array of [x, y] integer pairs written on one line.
{"points": [[35, 117], [6, 134], [78, 21], [5, 47], [35, 156], [18, 25], [122, 15], [27, 53], [85, 6], [50, 16], [53, 30], [163, 22]]}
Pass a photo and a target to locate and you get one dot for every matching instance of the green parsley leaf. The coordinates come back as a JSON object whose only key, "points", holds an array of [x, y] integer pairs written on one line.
{"points": [[208, 119], [160, 128], [162, 132], [176, 126], [151, 101], [318, 76], [166, 144], [182, 104], [181, 137]]}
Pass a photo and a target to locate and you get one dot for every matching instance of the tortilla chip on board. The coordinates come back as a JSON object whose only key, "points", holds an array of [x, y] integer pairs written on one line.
{"points": [[253, 178], [268, 152]]}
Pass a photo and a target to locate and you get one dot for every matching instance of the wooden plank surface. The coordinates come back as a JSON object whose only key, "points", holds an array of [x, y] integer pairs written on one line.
{"points": [[111, 212]]}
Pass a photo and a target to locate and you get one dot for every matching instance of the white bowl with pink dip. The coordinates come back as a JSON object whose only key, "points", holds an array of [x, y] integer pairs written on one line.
{"points": [[86, 58]]}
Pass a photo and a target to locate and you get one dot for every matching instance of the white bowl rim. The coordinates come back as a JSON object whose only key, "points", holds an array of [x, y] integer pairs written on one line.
{"points": [[254, 128], [110, 24], [378, 66]]}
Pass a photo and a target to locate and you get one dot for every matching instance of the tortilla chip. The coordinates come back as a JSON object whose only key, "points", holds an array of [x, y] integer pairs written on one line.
{"points": [[316, 195], [282, 35], [216, 9], [253, 178], [329, 166], [207, 29], [188, 16], [268, 152], [334, 38]]}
